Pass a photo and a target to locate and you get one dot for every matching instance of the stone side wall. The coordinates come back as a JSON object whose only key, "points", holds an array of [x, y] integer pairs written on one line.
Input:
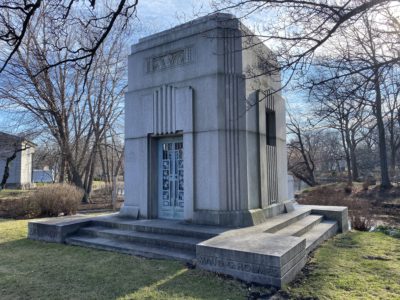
{"points": [[26, 166], [258, 68]]}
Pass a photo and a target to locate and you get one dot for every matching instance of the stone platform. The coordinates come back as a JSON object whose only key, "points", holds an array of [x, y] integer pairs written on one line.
{"points": [[270, 253]]}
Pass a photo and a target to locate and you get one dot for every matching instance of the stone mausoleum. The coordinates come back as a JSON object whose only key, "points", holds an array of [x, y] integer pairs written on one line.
{"points": [[205, 161], [205, 129]]}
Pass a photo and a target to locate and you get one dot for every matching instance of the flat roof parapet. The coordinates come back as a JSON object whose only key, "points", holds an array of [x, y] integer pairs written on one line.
{"points": [[203, 24]]}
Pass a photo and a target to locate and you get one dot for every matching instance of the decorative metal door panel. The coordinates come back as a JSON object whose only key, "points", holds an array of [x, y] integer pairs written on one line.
{"points": [[170, 179]]}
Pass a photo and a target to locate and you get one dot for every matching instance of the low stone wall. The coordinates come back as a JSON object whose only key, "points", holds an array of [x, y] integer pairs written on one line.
{"points": [[57, 229], [336, 213], [262, 258]]}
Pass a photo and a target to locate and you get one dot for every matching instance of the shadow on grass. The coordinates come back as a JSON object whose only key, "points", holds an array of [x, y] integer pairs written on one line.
{"points": [[193, 284], [346, 241], [2, 220]]}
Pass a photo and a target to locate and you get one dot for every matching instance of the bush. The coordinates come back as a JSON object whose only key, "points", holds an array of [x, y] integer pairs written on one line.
{"points": [[348, 189], [57, 199], [51, 200], [22, 208], [360, 215]]}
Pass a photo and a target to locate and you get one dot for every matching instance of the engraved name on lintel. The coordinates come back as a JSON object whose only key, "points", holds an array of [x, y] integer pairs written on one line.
{"points": [[169, 60], [235, 265]]}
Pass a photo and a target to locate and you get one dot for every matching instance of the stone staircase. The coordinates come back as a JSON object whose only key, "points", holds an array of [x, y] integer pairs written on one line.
{"points": [[272, 252], [149, 238], [164, 239], [311, 227]]}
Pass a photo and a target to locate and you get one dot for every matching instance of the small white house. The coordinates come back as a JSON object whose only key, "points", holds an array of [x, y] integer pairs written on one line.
{"points": [[20, 168]]}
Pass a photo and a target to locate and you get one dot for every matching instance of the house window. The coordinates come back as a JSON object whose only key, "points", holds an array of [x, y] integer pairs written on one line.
{"points": [[271, 127]]}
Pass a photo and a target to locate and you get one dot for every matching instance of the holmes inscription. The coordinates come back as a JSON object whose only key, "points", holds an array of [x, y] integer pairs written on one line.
{"points": [[213, 261], [169, 60]]}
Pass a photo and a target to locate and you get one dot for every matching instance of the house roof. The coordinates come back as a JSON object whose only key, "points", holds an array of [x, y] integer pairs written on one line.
{"points": [[6, 138]]}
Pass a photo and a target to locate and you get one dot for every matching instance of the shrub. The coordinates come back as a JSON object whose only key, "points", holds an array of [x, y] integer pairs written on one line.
{"points": [[56, 199], [22, 208], [47, 201], [348, 189], [360, 215], [371, 179]]}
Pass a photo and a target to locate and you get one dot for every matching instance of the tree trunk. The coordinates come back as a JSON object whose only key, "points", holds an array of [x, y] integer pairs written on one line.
{"points": [[6, 173], [106, 155], [89, 186], [354, 164], [394, 146], [345, 141], [385, 180], [353, 156], [62, 170], [103, 165], [114, 182]]}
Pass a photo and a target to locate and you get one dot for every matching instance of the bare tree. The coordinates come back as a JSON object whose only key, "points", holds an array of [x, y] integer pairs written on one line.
{"points": [[298, 30], [98, 18], [47, 155], [358, 37], [366, 53], [76, 106], [301, 151], [340, 105], [391, 94]]}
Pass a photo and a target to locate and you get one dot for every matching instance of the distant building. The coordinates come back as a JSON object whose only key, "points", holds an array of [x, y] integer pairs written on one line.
{"points": [[20, 168], [43, 176]]}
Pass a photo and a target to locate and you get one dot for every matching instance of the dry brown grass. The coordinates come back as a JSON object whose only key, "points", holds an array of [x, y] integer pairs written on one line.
{"points": [[47, 201], [361, 211], [360, 214], [56, 199], [21, 208]]}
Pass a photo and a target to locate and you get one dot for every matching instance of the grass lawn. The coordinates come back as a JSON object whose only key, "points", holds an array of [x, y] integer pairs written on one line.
{"points": [[355, 265], [37, 270], [9, 193], [351, 266]]}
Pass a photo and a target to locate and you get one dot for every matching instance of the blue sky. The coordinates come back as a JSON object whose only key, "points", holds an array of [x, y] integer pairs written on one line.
{"points": [[158, 15]]}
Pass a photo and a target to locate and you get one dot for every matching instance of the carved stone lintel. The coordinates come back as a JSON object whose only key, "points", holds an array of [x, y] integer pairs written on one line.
{"points": [[169, 60]]}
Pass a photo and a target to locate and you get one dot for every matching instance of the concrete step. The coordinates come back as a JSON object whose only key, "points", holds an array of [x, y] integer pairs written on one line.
{"points": [[145, 238], [301, 226], [282, 221], [162, 227], [320, 233], [131, 248]]}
